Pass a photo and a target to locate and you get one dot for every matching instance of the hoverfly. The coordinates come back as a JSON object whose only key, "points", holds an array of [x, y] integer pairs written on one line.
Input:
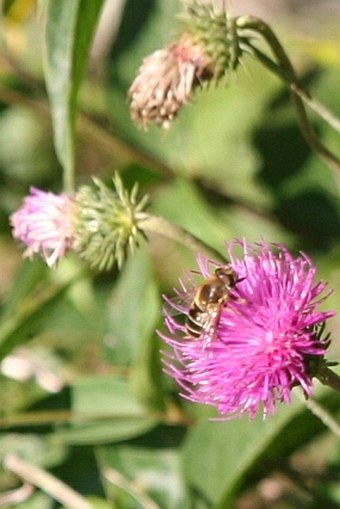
{"points": [[208, 299], [201, 306]]}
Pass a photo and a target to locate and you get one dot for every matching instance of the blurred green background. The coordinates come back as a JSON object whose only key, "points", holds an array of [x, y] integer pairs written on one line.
{"points": [[82, 390]]}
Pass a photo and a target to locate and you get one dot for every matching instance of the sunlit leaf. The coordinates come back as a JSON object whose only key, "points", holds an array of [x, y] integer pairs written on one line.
{"points": [[69, 30], [104, 411]]}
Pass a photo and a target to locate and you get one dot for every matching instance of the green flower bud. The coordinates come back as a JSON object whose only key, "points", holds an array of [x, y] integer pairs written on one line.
{"points": [[107, 223]]}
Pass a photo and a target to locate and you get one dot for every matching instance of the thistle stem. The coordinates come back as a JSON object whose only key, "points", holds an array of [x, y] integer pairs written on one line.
{"points": [[159, 225], [69, 174], [285, 71], [329, 378], [325, 417], [317, 106]]}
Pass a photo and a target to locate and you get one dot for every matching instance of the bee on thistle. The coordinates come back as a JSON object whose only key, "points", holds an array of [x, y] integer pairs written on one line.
{"points": [[253, 331], [205, 308]]}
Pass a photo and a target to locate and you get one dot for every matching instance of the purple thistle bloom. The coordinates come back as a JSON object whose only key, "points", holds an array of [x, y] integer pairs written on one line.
{"points": [[45, 224], [265, 336]]}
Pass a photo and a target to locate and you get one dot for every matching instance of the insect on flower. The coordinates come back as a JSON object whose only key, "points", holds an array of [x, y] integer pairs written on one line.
{"points": [[202, 304], [262, 331], [208, 299]]}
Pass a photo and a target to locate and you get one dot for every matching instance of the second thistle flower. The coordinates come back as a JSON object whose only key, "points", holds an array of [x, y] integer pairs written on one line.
{"points": [[45, 224], [166, 80], [208, 48], [98, 223]]}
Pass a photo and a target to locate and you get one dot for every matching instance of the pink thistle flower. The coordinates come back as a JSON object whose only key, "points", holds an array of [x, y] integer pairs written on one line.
{"points": [[45, 224], [266, 335]]}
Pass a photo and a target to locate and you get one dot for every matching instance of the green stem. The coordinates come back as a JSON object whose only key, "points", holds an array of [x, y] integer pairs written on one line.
{"points": [[106, 143], [325, 417], [159, 225], [329, 378], [313, 103], [317, 106], [69, 175], [285, 71], [50, 417]]}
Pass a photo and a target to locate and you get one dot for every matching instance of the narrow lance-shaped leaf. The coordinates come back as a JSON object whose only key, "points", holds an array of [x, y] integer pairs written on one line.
{"points": [[16, 327], [69, 30]]}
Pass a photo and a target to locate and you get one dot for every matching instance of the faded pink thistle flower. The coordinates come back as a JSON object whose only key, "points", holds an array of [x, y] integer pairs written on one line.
{"points": [[45, 224], [166, 80], [266, 339], [209, 49]]}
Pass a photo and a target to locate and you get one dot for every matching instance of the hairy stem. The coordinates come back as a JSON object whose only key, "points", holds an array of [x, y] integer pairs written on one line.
{"points": [[284, 69], [325, 417], [317, 106], [161, 226], [329, 378]]}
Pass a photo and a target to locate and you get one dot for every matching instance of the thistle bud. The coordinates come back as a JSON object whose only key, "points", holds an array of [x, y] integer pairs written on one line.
{"points": [[107, 223]]}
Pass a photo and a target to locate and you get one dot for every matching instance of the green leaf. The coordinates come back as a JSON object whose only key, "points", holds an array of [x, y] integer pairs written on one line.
{"points": [[134, 314], [69, 30], [102, 432], [32, 447], [220, 458], [146, 375], [144, 474], [104, 395], [134, 309], [216, 454], [27, 312], [7, 5], [27, 278], [182, 203], [104, 411]]}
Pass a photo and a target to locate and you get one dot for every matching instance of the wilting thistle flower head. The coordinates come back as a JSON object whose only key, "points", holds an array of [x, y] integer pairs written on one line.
{"points": [[45, 224], [266, 338], [166, 80], [206, 50]]}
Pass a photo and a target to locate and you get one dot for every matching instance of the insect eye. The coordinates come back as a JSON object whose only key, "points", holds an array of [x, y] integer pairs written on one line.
{"points": [[211, 293], [227, 276], [221, 272]]}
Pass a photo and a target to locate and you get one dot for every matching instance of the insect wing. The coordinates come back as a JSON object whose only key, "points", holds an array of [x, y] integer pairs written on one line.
{"points": [[178, 305]]}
